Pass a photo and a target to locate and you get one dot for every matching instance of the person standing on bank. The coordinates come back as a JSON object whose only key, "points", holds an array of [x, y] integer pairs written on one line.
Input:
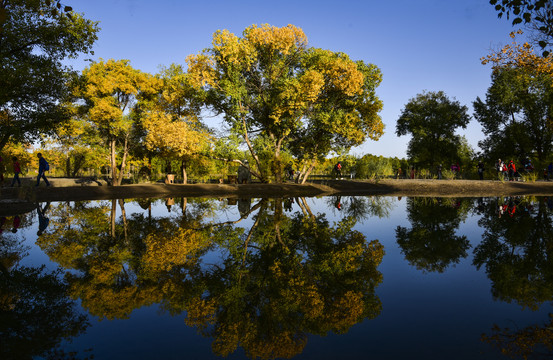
{"points": [[16, 172], [481, 170], [42, 167]]}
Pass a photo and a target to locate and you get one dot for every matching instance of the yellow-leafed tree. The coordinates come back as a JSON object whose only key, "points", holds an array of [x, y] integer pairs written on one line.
{"points": [[272, 88], [110, 89]]}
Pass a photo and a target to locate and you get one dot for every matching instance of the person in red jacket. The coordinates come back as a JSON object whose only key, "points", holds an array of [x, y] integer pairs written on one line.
{"points": [[512, 170], [16, 172]]}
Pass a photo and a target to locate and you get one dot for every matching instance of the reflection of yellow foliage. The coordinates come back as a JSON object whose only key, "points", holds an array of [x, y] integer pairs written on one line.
{"points": [[179, 249], [286, 345], [105, 271], [227, 340], [345, 312], [524, 342], [200, 313], [113, 303]]}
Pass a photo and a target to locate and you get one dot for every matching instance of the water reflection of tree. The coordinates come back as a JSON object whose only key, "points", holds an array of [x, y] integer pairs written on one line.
{"points": [[36, 314], [516, 250], [534, 341], [431, 244], [278, 280], [284, 278], [361, 207]]}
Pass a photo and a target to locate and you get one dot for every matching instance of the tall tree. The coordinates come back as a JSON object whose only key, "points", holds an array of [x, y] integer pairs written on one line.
{"points": [[111, 88], [432, 118], [35, 37], [268, 83]]}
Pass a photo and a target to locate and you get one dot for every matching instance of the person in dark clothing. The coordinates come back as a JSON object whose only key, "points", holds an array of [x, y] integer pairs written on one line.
{"points": [[481, 170], [16, 172], [42, 168]]}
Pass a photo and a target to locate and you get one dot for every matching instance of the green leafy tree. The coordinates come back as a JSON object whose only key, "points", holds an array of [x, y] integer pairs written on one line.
{"points": [[35, 37], [269, 83], [36, 312], [431, 244], [431, 118], [536, 15], [516, 116]]}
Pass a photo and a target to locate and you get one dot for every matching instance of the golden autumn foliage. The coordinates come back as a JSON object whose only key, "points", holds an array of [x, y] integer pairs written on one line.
{"points": [[177, 138], [268, 83], [520, 56]]}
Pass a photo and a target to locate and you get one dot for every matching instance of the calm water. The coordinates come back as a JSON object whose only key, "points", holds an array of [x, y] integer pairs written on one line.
{"points": [[306, 278]]}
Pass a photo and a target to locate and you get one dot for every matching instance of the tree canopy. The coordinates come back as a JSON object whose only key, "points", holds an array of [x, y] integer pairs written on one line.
{"points": [[110, 89], [516, 113], [432, 118], [35, 37], [269, 83], [536, 15]]}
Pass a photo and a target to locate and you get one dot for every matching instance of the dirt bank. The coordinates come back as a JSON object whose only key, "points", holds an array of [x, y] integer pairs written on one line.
{"points": [[63, 189]]}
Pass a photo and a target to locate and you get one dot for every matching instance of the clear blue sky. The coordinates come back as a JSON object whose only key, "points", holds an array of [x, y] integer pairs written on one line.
{"points": [[418, 44]]}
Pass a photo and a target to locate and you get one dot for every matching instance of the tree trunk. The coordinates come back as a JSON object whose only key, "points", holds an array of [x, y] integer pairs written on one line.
{"points": [[311, 167], [252, 151], [125, 153], [112, 217], [113, 160], [184, 175], [277, 163]]}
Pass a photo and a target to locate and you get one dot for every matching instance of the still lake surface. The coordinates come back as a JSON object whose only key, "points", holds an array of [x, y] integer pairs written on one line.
{"points": [[305, 278]]}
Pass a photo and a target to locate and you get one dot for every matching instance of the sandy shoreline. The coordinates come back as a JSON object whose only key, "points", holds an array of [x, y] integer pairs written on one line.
{"points": [[64, 189]]}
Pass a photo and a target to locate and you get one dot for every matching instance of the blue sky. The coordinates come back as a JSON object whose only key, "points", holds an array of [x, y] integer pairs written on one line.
{"points": [[419, 45]]}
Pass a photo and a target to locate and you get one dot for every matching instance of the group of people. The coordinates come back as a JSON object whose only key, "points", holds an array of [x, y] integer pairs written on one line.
{"points": [[43, 166], [507, 171]]}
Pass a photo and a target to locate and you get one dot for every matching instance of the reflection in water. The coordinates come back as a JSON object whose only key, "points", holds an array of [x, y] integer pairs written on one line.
{"points": [[35, 312], [516, 250], [281, 278], [282, 272], [431, 244]]}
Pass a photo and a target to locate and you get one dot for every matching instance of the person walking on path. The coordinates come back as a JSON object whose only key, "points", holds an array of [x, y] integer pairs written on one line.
{"points": [[42, 167], [1, 172], [16, 172]]}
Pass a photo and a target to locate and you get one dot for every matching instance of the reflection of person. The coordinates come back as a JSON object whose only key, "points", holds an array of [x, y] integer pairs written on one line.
{"points": [[338, 203], [42, 168], [2, 222], [1, 171], [16, 223], [43, 221]]}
